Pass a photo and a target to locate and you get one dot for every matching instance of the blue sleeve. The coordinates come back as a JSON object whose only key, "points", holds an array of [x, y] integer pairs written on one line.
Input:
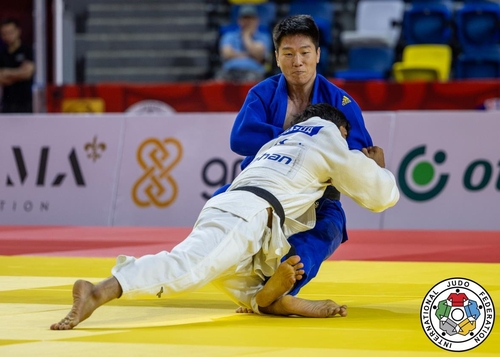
{"points": [[253, 126], [326, 92], [358, 136], [226, 40]]}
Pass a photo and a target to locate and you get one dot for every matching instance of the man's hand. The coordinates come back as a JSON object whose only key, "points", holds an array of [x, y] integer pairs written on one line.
{"points": [[376, 153]]}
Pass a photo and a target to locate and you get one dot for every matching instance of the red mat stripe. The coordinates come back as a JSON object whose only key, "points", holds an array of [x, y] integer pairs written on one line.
{"points": [[371, 245]]}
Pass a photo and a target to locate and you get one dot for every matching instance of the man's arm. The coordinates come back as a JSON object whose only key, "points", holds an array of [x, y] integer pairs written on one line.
{"points": [[376, 154], [228, 52], [252, 127], [362, 176], [255, 48], [327, 92], [359, 137], [24, 72]]}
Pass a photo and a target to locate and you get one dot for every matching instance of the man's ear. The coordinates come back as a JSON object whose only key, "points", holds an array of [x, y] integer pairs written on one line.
{"points": [[343, 131]]}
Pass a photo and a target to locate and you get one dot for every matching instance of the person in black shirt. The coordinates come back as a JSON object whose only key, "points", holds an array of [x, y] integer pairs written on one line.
{"points": [[16, 70]]}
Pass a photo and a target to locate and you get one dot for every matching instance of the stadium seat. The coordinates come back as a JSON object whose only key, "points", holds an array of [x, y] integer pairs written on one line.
{"points": [[478, 25], [430, 62], [367, 63], [323, 13], [377, 23], [480, 64], [427, 22]]}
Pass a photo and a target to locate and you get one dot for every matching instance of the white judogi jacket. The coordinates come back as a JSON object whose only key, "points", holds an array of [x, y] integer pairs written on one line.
{"points": [[297, 166], [230, 244]]}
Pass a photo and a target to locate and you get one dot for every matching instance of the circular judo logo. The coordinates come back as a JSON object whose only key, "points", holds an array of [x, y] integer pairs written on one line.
{"points": [[457, 314]]}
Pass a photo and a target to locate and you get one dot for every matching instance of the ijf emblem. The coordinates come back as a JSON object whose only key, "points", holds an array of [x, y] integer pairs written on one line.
{"points": [[457, 314]]}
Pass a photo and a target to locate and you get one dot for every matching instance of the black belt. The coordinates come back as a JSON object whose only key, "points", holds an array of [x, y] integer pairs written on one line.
{"points": [[332, 193], [269, 197]]}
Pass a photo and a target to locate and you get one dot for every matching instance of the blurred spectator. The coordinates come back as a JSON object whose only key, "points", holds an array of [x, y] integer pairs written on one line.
{"points": [[244, 51], [242, 2], [16, 69]]}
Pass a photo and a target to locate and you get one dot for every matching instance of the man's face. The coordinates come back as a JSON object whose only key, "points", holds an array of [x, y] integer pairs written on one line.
{"points": [[10, 33], [248, 22], [297, 58]]}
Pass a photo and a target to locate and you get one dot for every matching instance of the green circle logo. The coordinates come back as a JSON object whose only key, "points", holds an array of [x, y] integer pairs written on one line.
{"points": [[422, 175]]}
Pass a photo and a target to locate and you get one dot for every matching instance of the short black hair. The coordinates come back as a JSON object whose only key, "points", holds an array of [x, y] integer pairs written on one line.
{"points": [[10, 21], [324, 111], [296, 25]]}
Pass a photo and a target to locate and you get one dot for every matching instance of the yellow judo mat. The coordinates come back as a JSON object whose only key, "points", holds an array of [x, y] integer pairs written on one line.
{"points": [[383, 298]]}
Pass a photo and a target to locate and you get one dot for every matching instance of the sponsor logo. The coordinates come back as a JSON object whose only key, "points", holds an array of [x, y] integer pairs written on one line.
{"points": [[39, 175], [156, 186], [94, 149], [217, 173], [42, 169], [150, 107], [345, 100], [304, 129], [422, 175], [275, 157], [419, 181], [457, 314]]}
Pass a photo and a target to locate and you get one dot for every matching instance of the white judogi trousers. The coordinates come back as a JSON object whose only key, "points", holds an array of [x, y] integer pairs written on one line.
{"points": [[233, 249]]}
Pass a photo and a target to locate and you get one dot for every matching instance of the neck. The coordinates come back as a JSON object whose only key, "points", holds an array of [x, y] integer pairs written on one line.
{"points": [[300, 93]]}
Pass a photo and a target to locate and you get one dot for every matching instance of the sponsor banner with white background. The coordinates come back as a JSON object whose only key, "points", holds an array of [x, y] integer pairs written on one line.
{"points": [[132, 170], [451, 177], [171, 165], [58, 169], [380, 125]]}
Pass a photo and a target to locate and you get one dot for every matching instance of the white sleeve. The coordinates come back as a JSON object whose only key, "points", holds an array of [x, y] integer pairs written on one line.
{"points": [[360, 178]]}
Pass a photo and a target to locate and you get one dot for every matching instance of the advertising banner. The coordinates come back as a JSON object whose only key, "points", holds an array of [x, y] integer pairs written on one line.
{"points": [[380, 125], [159, 170], [171, 165], [447, 166], [58, 170]]}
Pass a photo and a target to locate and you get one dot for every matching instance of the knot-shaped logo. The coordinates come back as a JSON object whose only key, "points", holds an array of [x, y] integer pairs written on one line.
{"points": [[156, 186]]}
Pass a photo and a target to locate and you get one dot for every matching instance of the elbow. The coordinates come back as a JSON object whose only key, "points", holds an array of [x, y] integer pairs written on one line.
{"points": [[235, 144], [385, 202], [240, 146]]}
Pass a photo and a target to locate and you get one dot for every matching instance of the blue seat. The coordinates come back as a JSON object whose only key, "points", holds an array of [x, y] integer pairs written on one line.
{"points": [[323, 14], [367, 63], [479, 64], [427, 22], [478, 25]]}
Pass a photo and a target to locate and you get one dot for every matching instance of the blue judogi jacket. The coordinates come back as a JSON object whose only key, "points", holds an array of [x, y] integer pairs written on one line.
{"points": [[261, 119], [262, 115]]}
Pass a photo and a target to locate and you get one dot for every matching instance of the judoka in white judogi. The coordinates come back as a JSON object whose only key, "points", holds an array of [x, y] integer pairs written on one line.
{"points": [[231, 244]]}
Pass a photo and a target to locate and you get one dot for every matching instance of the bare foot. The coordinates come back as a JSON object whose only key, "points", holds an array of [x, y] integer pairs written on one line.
{"points": [[87, 297], [290, 305], [244, 310], [82, 306], [281, 282]]}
